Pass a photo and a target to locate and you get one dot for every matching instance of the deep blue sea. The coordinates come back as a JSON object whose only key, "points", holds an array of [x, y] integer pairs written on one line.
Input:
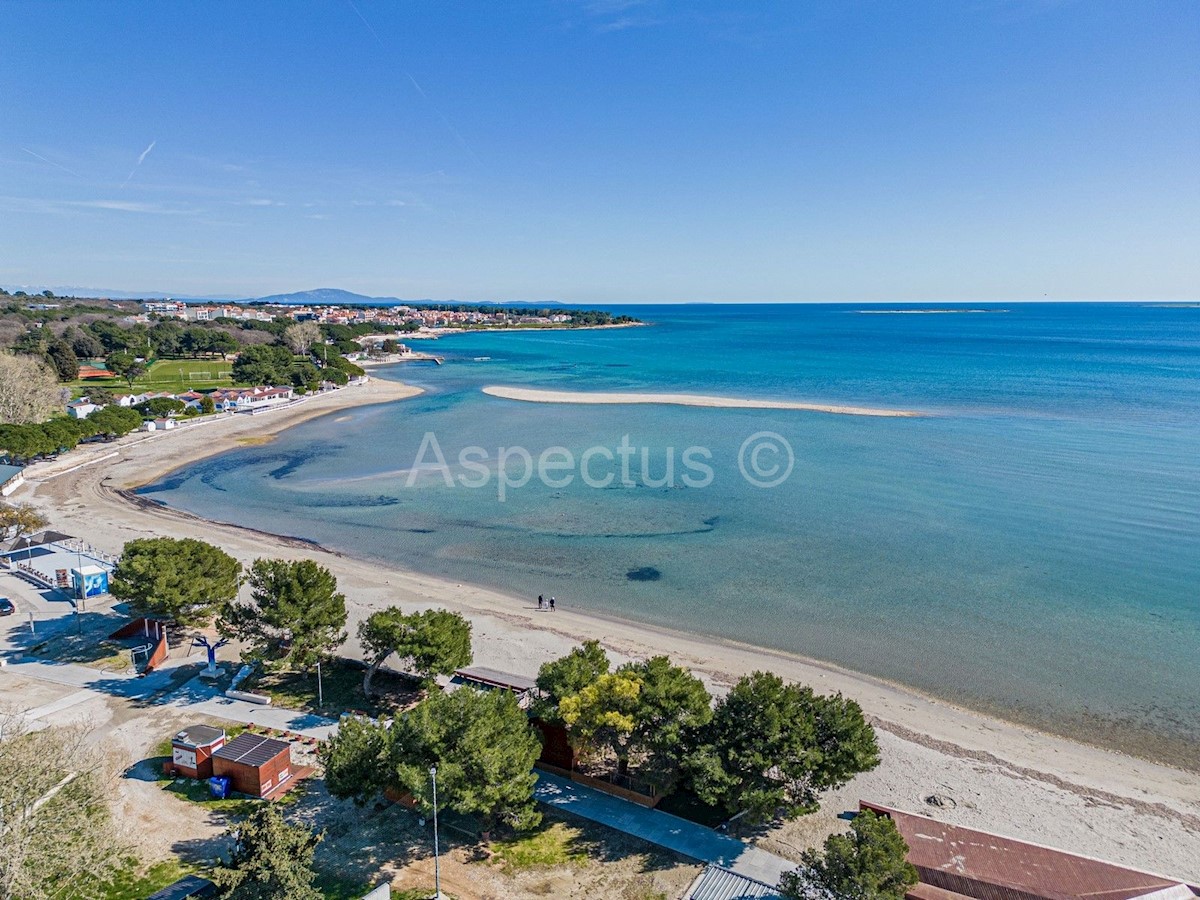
{"points": [[1029, 547]]}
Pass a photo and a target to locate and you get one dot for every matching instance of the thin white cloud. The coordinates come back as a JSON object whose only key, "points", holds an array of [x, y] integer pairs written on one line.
{"points": [[38, 205], [137, 165], [51, 162]]}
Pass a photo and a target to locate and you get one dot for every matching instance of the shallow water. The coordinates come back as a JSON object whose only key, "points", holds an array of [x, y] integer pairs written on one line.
{"points": [[1032, 547]]}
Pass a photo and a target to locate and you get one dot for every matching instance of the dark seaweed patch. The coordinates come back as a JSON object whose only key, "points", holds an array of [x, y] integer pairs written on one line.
{"points": [[645, 573]]}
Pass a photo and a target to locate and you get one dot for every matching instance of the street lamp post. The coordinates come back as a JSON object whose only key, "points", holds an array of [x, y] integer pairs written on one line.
{"points": [[437, 869]]}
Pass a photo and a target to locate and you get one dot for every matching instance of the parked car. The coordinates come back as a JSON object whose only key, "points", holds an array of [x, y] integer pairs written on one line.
{"points": [[6, 607]]}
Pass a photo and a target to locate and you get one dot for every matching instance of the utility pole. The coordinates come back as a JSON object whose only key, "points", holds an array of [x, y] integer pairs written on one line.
{"points": [[437, 869]]}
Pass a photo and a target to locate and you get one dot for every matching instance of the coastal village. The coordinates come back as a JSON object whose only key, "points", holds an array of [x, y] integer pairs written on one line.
{"points": [[368, 732]]}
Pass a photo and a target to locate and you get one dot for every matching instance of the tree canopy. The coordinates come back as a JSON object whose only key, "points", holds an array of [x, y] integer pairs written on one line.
{"points": [[430, 643], [296, 617], [56, 828], [125, 365], [181, 579], [20, 519], [569, 675], [29, 390], [800, 744], [868, 863], [271, 859], [481, 742], [263, 364]]}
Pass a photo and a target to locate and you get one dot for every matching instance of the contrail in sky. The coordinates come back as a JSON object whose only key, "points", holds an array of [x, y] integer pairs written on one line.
{"points": [[51, 162], [137, 165], [441, 115]]}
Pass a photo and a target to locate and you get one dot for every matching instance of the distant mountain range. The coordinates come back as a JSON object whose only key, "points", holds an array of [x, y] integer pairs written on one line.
{"points": [[317, 297], [328, 297]]}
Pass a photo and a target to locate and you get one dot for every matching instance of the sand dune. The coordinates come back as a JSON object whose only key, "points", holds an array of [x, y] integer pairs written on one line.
{"points": [[535, 395]]}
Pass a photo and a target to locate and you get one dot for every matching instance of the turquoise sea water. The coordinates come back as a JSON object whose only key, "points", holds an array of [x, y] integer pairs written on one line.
{"points": [[1031, 547]]}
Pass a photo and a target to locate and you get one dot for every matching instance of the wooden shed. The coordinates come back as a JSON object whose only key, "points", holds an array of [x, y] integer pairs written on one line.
{"points": [[254, 765], [192, 750]]}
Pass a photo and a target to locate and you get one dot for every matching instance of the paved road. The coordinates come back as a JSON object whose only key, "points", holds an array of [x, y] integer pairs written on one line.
{"points": [[662, 829]]}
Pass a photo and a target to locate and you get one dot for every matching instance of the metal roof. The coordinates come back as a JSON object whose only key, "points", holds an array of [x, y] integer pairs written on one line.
{"points": [[198, 736], [496, 678], [252, 750], [188, 886], [980, 864], [719, 883]]}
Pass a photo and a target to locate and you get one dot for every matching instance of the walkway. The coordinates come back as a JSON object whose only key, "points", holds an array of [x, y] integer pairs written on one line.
{"points": [[195, 696], [662, 829]]}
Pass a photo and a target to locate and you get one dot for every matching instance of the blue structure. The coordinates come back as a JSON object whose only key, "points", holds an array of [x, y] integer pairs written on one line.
{"points": [[89, 581]]}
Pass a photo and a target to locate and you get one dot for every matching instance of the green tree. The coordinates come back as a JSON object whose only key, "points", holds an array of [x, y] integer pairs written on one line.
{"points": [[185, 580], [569, 675], [271, 859], [159, 407], [262, 364], [672, 704], [86, 346], [296, 617], [799, 745], [62, 359], [357, 760], [207, 405], [868, 863], [125, 365], [484, 749], [480, 741], [429, 643], [115, 420], [604, 714]]}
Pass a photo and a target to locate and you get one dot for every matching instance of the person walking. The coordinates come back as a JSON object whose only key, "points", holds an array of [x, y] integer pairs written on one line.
{"points": [[541, 602], [551, 604]]}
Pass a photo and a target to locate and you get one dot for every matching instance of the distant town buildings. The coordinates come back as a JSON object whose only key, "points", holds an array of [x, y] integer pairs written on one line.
{"points": [[393, 316]]}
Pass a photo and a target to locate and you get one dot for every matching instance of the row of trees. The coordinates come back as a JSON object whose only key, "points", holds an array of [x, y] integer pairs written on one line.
{"points": [[658, 719], [295, 616], [28, 441]]}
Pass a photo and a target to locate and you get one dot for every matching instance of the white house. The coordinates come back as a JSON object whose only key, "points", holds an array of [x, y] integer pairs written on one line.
{"points": [[82, 408], [158, 425]]}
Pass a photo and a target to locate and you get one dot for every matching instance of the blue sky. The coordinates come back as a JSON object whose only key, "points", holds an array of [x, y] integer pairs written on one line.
{"points": [[605, 151]]}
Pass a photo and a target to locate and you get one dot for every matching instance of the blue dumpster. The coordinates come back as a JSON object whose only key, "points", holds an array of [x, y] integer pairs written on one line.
{"points": [[218, 786]]}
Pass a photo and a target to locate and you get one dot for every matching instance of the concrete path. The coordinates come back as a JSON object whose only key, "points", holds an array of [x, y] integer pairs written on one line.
{"points": [[194, 696], [662, 829]]}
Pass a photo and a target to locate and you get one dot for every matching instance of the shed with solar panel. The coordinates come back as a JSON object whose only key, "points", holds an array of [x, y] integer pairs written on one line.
{"points": [[255, 765]]}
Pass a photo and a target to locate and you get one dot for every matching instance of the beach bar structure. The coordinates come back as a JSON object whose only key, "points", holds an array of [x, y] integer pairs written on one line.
{"points": [[192, 750], [255, 765], [485, 679], [956, 863]]}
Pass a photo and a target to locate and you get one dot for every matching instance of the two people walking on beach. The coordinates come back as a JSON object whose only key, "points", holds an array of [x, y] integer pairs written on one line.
{"points": [[542, 603]]}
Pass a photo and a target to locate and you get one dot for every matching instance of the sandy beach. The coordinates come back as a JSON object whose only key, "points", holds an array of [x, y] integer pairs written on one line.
{"points": [[534, 395], [989, 773]]}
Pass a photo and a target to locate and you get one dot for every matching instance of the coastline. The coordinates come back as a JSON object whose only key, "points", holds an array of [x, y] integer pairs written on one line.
{"points": [[1002, 777], [538, 395]]}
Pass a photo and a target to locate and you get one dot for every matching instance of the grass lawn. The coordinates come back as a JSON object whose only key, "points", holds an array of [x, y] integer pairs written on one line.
{"points": [[341, 684], [553, 844], [134, 881], [175, 375]]}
